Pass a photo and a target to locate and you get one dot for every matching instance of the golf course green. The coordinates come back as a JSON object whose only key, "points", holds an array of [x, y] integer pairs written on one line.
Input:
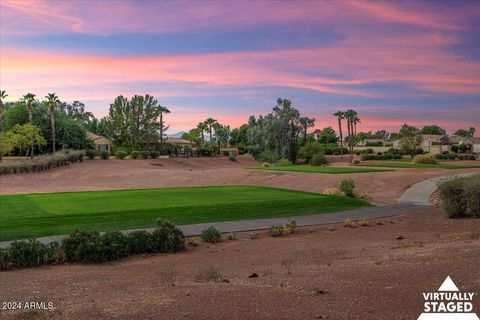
{"points": [[42, 214]]}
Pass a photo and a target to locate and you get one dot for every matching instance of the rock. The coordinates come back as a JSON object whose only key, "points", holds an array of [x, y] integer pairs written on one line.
{"points": [[318, 291], [253, 275], [400, 238]]}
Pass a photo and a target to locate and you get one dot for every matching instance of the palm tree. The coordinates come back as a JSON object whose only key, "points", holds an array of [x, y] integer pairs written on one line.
{"points": [[3, 95], [52, 101], [162, 110], [202, 127], [340, 115], [306, 122], [350, 115], [30, 100], [210, 122]]}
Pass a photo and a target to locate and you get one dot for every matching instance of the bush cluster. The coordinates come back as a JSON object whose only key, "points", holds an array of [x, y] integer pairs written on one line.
{"points": [[347, 187], [424, 159], [211, 235], [41, 163], [384, 156], [283, 162], [452, 156], [121, 154], [105, 155], [232, 158], [155, 154], [281, 229], [91, 154], [461, 197], [318, 160], [93, 247]]}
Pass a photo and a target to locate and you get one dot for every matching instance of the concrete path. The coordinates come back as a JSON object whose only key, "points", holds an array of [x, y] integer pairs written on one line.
{"points": [[259, 224], [420, 192], [416, 197]]}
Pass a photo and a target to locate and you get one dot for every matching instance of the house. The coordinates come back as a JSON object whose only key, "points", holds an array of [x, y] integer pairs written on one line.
{"points": [[179, 142], [101, 143], [372, 142], [432, 143], [472, 143]]}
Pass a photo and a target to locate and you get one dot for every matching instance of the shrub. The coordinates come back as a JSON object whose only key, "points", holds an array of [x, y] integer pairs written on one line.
{"points": [[135, 154], [232, 158], [146, 154], [461, 197], [121, 154], [349, 223], [363, 223], [211, 235], [140, 242], [333, 192], [29, 253], [167, 238], [283, 162], [318, 160], [347, 186], [5, 260], [55, 253], [356, 161], [232, 236], [105, 155], [424, 159], [210, 274], [91, 154], [276, 231], [455, 148], [374, 144], [113, 245], [83, 246], [155, 154], [265, 165], [267, 156], [289, 228]]}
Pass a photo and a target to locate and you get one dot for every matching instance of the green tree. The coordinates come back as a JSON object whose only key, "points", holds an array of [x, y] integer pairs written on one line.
{"points": [[25, 136], [3, 95], [209, 123], [30, 102], [465, 133], [433, 129], [410, 139], [309, 150], [222, 135], [306, 123], [52, 101], [202, 127], [340, 116], [192, 135], [327, 136], [239, 136], [163, 110], [7, 143], [352, 119]]}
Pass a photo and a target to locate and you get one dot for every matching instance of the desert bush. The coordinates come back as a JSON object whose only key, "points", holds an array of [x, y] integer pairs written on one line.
{"points": [[232, 158], [349, 223], [384, 156], [146, 154], [135, 154], [283, 162], [424, 159], [333, 192], [267, 156], [41, 163], [155, 154], [83, 246], [356, 161], [140, 242], [105, 155], [211, 235], [113, 245], [276, 231], [30, 253], [265, 165], [167, 238], [5, 260], [289, 227], [91, 154], [232, 236], [363, 223], [253, 235], [210, 274], [318, 160], [460, 197], [347, 186], [55, 253], [121, 154]]}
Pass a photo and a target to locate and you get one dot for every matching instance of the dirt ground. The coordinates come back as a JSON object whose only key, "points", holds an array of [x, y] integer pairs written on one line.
{"points": [[326, 272], [383, 187]]}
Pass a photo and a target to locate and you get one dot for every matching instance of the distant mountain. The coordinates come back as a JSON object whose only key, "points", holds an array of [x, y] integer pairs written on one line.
{"points": [[176, 135]]}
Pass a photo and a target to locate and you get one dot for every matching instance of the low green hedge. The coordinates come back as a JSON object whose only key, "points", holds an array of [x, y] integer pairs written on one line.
{"points": [[93, 247], [461, 197]]}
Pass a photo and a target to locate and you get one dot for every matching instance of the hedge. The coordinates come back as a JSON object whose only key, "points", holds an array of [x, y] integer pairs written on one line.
{"points": [[41, 163], [460, 197]]}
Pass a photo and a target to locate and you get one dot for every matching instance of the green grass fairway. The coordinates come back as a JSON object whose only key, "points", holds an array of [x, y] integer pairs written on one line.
{"points": [[319, 169], [400, 164], [34, 215]]}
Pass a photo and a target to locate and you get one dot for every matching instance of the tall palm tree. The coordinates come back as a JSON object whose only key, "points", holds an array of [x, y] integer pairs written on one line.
{"points": [[350, 115], [3, 95], [202, 127], [210, 122], [162, 110], [30, 100], [52, 101], [340, 115]]}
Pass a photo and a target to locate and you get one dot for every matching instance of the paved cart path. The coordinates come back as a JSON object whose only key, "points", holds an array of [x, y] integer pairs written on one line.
{"points": [[414, 198]]}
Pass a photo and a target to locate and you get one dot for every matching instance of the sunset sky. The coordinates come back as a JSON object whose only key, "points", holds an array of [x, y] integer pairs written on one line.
{"points": [[393, 61]]}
